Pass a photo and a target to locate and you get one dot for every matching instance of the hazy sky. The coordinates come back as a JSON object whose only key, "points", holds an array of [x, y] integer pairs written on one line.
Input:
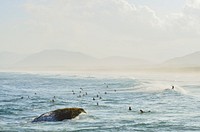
{"points": [[151, 29]]}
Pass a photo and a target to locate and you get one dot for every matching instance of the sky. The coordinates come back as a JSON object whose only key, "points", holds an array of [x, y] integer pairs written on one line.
{"points": [[154, 30]]}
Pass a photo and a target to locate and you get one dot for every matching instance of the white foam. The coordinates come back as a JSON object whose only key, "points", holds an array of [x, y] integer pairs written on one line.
{"points": [[156, 86], [180, 90]]}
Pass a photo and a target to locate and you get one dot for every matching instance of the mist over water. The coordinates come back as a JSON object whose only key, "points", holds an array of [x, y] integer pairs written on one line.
{"points": [[25, 96], [124, 52]]}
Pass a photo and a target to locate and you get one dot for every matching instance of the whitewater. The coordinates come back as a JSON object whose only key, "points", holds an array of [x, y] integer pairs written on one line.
{"points": [[106, 99]]}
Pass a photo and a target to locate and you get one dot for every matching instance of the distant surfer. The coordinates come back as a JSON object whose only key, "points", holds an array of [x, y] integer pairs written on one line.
{"points": [[172, 87], [129, 108], [141, 111]]}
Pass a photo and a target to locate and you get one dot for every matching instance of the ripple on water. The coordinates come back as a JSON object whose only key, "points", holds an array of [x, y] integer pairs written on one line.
{"points": [[171, 110]]}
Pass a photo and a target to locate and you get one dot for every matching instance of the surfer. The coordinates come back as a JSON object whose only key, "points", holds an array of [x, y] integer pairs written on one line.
{"points": [[172, 87], [141, 111], [129, 108]]}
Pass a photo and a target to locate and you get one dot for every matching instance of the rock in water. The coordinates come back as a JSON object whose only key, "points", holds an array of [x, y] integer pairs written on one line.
{"points": [[60, 114]]}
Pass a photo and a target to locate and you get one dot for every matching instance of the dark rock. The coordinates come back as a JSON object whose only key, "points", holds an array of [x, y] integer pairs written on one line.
{"points": [[60, 114]]}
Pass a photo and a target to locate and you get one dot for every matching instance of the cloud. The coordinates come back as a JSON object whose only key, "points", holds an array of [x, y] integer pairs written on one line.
{"points": [[96, 24], [193, 4], [112, 27], [187, 21], [117, 17]]}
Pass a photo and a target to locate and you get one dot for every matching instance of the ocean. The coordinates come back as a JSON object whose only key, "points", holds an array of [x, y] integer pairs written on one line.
{"points": [[25, 96]]}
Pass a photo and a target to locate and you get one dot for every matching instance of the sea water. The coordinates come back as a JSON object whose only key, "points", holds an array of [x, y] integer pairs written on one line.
{"points": [[25, 96]]}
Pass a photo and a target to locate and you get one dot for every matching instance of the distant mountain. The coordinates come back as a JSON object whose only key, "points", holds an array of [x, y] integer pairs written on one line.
{"points": [[191, 60], [55, 58], [66, 60], [7, 59]]}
